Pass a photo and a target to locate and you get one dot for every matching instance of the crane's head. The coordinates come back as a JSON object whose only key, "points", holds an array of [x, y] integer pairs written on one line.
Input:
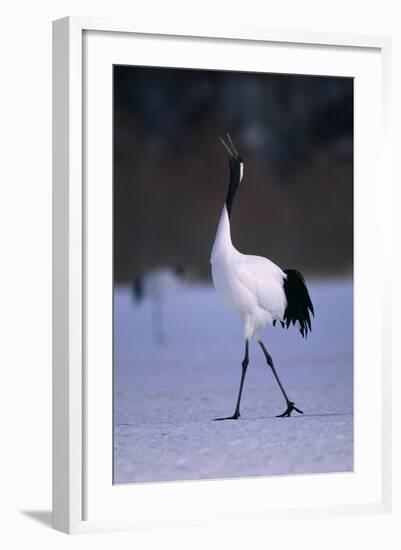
{"points": [[236, 162]]}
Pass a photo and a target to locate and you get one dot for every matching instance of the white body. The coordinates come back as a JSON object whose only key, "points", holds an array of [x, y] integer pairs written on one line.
{"points": [[160, 283], [252, 286]]}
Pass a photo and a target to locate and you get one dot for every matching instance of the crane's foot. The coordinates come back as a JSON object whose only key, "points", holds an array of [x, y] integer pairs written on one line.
{"points": [[290, 407], [235, 416]]}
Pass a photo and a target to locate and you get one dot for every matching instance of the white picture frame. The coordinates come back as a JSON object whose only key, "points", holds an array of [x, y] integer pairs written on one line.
{"points": [[72, 426]]}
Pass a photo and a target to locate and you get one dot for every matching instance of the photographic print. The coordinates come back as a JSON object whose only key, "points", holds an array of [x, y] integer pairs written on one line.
{"points": [[233, 274]]}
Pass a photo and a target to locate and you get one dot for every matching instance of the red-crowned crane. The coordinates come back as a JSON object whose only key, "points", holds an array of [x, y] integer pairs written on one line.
{"points": [[156, 286], [254, 287]]}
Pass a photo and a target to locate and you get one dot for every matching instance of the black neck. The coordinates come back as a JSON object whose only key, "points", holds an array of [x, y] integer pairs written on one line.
{"points": [[235, 177]]}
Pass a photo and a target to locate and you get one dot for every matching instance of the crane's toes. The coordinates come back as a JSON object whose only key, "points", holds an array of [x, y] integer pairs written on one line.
{"points": [[235, 416], [287, 413]]}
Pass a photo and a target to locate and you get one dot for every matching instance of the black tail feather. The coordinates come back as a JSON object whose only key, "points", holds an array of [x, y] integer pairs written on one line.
{"points": [[299, 303]]}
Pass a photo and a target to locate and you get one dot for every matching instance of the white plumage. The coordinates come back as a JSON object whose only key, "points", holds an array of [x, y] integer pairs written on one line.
{"points": [[157, 286], [250, 285], [160, 283], [254, 287]]}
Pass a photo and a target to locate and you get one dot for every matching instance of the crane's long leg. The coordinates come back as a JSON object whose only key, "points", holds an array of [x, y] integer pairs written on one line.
{"points": [[290, 404], [158, 322], [245, 364]]}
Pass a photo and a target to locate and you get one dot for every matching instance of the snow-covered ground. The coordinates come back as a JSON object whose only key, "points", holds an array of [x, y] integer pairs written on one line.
{"points": [[166, 396]]}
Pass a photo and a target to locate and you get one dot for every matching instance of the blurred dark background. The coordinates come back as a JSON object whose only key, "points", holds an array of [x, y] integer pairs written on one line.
{"points": [[295, 134]]}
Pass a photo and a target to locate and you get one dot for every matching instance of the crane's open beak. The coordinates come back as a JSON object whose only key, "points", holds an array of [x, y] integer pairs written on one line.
{"points": [[230, 146]]}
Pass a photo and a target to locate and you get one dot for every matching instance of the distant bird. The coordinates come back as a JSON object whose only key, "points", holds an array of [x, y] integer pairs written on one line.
{"points": [[254, 287], [156, 285]]}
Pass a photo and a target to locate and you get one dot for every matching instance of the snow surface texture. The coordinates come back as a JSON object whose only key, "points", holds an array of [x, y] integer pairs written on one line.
{"points": [[166, 396]]}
